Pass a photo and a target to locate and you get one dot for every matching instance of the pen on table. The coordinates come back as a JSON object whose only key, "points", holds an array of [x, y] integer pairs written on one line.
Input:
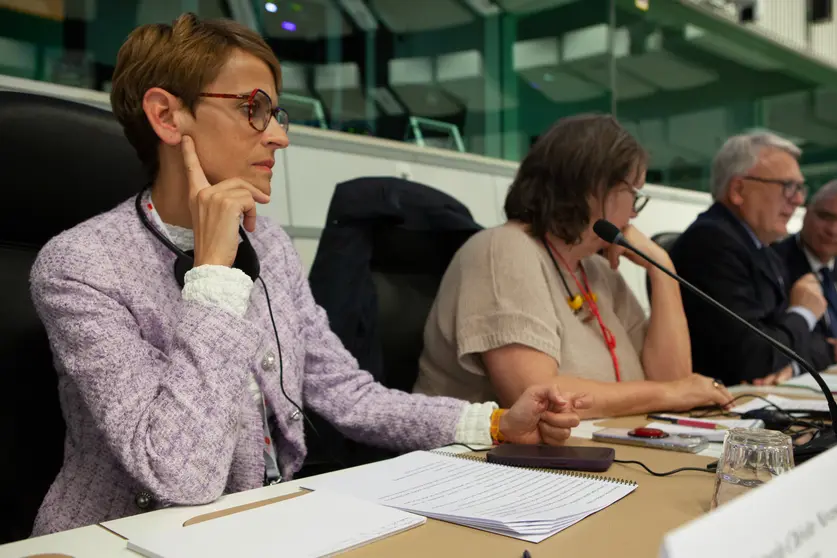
{"points": [[690, 422], [526, 554]]}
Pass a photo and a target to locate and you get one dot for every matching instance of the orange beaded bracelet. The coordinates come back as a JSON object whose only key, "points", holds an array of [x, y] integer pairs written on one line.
{"points": [[497, 436]]}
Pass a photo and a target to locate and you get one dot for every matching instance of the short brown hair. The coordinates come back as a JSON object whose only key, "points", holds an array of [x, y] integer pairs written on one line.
{"points": [[181, 58], [579, 158]]}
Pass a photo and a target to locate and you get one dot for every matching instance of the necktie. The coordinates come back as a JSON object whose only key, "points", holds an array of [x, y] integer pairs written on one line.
{"points": [[830, 293]]}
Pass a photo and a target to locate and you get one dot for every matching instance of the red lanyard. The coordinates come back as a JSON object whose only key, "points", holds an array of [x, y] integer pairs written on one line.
{"points": [[609, 338]]}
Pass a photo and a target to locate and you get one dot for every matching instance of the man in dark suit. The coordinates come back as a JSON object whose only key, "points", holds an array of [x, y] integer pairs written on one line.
{"points": [[813, 250], [757, 185]]}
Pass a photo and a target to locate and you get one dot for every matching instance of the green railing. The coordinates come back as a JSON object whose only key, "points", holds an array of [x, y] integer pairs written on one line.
{"points": [[680, 77]]}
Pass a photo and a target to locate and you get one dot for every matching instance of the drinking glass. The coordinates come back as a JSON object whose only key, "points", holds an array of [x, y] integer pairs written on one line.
{"points": [[750, 458]]}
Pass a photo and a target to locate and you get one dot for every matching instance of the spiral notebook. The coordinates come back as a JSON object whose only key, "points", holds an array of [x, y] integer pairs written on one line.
{"points": [[526, 504]]}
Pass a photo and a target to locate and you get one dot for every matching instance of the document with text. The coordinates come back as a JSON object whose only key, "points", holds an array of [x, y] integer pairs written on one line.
{"points": [[523, 503]]}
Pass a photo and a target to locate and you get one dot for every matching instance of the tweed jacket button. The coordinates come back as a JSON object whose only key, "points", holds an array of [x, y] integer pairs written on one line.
{"points": [[143, 500], [268, 362], [295, 415]]}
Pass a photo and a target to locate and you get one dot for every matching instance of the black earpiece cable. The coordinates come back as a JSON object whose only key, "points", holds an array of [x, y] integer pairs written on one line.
{"points": [[310, 423], [281, 363], [183, 255]]}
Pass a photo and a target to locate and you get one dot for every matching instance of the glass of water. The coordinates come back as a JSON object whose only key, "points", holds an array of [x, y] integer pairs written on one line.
{"points": [[751, 457]]}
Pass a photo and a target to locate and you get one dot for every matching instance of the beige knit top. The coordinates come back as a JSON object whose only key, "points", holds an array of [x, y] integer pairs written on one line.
{"points": [[502, 288]]}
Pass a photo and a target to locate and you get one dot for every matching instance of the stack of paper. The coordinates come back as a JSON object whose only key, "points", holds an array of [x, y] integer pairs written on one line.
{"points": [[807, 381], [783, 403], [711, 435], [312, 525], [522, 503]]}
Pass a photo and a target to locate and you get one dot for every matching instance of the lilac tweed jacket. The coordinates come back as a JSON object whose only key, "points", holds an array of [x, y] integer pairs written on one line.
{"points": [[154, 388]]}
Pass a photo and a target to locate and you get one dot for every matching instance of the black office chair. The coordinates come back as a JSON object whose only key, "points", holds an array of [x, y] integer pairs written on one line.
{"points": [[381, 257], [407, 268], [405, 286], [382, 254], [666, 240], [60, 163]]}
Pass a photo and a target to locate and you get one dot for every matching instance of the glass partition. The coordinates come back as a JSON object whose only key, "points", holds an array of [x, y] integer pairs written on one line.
{"points": [[682, 76], [560, 64], [74, 42], [703, 84], [379, 65], [425, 131], [488, 76]]}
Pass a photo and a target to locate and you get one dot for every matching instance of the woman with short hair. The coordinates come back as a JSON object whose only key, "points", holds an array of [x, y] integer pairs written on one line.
{"points": [[186, 339], [532, 301]]}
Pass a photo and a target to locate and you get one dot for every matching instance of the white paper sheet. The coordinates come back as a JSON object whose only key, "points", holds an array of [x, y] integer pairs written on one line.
{"points": [[312, 525], [515, 501], [712, 450], [784, 403], [586, 428], [807, 381], [711, 435]]}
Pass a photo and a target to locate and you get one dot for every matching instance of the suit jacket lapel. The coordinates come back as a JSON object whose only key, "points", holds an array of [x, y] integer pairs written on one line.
{"points": [[797, 262], [770, 264], [767, 261]]}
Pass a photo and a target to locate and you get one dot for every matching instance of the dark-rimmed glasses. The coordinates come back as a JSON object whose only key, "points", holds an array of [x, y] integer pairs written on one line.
{"points": [[789, 187], [640, 200], [260, 109]]}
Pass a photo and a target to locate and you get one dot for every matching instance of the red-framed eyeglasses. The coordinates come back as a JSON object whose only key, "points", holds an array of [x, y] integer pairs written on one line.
{"points": [[260, 108]]}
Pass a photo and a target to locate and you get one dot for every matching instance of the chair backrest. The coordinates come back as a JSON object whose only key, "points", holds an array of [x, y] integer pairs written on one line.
{"points": [[381, 258], [407, 268], [666, 240], [404, 301], [61, 163]]}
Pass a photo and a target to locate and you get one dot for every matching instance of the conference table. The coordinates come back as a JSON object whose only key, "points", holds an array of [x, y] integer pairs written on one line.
{"points": [[632, 527]]}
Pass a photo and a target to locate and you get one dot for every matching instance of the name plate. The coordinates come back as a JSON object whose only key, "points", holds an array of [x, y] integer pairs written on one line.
{"points": [[794, 515]]}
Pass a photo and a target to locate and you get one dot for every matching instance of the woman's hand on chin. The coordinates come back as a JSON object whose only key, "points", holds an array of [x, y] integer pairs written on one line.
{"points": [[641, 243], [217, 210]]}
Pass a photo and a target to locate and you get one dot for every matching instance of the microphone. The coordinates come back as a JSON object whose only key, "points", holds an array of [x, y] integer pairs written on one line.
{"points": [[608, 232]]}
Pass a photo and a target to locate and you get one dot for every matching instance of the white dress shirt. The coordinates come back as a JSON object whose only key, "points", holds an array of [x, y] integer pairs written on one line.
{"points": [[816, 266]]}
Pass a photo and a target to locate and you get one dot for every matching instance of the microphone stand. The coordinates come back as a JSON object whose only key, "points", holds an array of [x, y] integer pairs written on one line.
{"points": [[822, 441]]}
